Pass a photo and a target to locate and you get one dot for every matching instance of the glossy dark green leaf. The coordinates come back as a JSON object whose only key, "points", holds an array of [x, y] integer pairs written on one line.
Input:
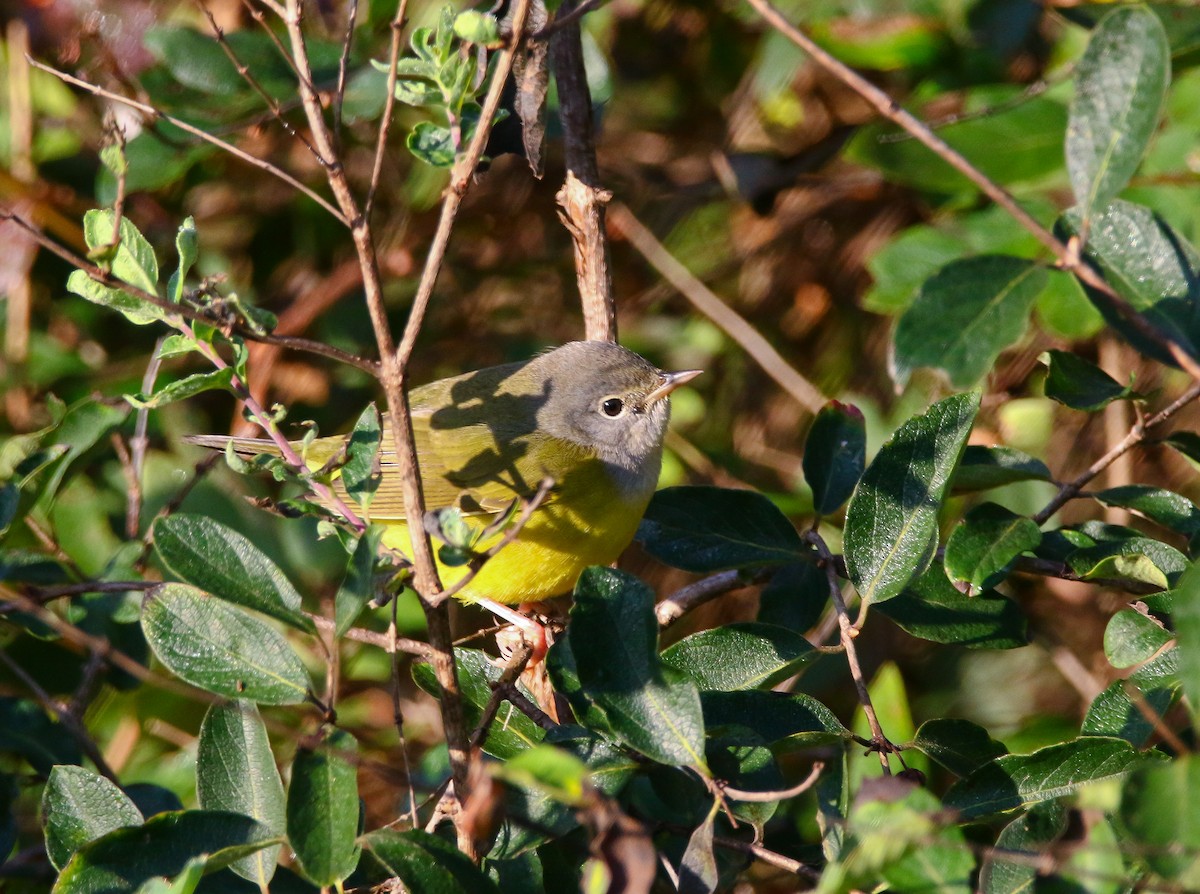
{"points": [[1153, 267], [985, 544], [1027, 838], [221, 648], [1138, 559], [124, 859], [891, 523], [361, 473], [1186, 617], [1132, 637], [1167, 508], [983, 468], [614, 638], [964, 316], [772, 717], [235, 771], [794, 597], [424, 863], [79, 806], [835, 453], [698, 872], [219, 560], [512, 732], [1120, 86], [1120, 710], [1160, 811], [358, 586], [1080, 384], [740, 656], [1020, 780], [322, 809], [958, 745], [706, 529]]}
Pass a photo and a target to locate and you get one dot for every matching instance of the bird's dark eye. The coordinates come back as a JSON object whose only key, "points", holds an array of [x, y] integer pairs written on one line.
{"points": [[612, 406]]}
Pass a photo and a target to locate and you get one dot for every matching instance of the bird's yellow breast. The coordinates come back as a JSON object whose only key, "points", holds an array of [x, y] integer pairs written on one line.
{"points": [[589, 521]]}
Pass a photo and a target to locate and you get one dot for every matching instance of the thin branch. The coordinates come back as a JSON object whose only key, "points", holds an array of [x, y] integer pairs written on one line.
{"points": [[569, 18], [767, 856], [1068, 256], [705, 301], [389, 107], [233, 150], [699, 592], [513, 669], [782, 795], [528, 708], [339, 93], [373, 638]]}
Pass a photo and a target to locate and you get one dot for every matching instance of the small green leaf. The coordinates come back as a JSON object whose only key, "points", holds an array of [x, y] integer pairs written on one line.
{"points": [[983, 468], [958, 745], [614, 638], [358, 585], [121, 861], [79, 806], [134, 309], [181, 389], [1138, 559], [771, 717], [545, 768], [698, 871], [361, 473], [932, 609], [1021, 780], [1167, 508], [322, 809], [220, 648], [418, 92], [220, 561], [424, 863], [432, 144], [706, 529], [1120, 86], [1027, 838], [235, 771], [740, 656], [985, 544], [891, 523], [134, 260], [965, 315], [834, 455], [1081, 385], [1120, 709], [1132, 637]]}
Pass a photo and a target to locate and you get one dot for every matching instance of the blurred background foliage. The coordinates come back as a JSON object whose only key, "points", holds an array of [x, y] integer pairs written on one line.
{"points": [[771, 182]]}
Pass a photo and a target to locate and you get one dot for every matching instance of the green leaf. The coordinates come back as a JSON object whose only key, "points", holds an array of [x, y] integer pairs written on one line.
{"points": [[986, 543], [418, 92], [1153, 267], [134, 261], [1132, 637], [698, 871], [545, 768], [424, 863], [79, 806], [181, 389], [358, 586], [477, 27], [1027, 838], [1167, 508], [235, 771], [1081, 385], [964, 316], [891, 523], [361, 473], [1020, 780], [135, 309], [432, 144], [124, 859], [794, 597], [220, 648], [958, 745], [219, 560], [1160, 811], [512, 732], [322, 809], [706, 529], [1138, 559], [1120, 86], [772, 717], [740, 656], [1186, 617], [983, 468], [26, 730], [1120, 709], [1186, 442], [614, 638], [834, 455], [184, 883]]}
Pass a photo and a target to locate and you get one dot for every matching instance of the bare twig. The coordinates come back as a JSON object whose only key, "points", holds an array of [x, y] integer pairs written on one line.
{"points": [[703, 299], [513, 668], [699, 592], [233, 150], [380, 640], [339, 93], [1068, 258], [389, 107], [528, 708], [783, 794]]}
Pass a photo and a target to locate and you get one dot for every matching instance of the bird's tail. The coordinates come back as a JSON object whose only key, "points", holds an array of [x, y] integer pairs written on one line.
{"points": [[243, 447]]}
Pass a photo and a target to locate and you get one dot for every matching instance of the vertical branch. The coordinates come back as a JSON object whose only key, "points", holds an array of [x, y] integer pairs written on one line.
{"points": [[582, 199], [18, 288]]}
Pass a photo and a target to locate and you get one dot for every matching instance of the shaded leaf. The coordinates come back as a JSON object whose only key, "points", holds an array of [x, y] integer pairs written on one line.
{"points": [[958, 745], [322, 809], [220, 648], [740, 656], [891, 523], [834, 455], [698, 872], [1080, 384], [360, 473], [79, 806], [794, 597], [1119, 710], [983, 468], [1186, 617], [425, 863], [25, 729], [1132, 637], [964, 316], [771, 717], [1167, 508], [705, 529], [1027, 838], [985, 544], [358, 586], [1160, 811]]}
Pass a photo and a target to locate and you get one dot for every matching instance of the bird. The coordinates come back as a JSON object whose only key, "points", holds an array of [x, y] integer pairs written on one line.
{"points": [[587, 417]]}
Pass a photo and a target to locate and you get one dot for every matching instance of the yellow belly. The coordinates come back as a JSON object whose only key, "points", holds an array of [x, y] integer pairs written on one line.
{"points": [[550, 552]]}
